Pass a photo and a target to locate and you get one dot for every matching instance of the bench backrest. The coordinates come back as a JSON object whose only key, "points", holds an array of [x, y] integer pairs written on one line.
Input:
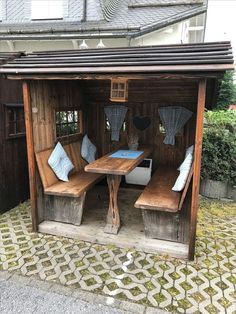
{"points": [[47, 175]]}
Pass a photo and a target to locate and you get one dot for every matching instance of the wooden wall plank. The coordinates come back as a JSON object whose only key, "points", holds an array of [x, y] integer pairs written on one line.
{"points": [[14, 186], [144, 99]]}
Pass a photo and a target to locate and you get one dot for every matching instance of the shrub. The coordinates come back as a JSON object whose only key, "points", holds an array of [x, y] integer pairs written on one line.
{"points": [[219, 147], [227, 93]]}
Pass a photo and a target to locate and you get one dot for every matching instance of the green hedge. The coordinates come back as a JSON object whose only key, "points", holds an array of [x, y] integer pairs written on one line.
{"points": [[219, 146]]}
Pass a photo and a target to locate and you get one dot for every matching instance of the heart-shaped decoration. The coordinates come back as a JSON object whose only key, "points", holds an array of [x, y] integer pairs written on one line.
{"points": [[141, 123]]}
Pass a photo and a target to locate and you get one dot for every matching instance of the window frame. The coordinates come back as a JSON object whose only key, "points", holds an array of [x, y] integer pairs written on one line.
{"points": [[14, 107], [79, 123]]}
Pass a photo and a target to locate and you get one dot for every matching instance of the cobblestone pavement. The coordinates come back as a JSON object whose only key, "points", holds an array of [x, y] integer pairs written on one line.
{"points": [[206, 285]]}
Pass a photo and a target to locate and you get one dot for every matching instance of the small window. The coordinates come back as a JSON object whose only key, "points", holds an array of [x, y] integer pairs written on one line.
{"points": [[68, 122], [119, 90], [163, 131], [108, 127], [15, 122], [46, 9]]}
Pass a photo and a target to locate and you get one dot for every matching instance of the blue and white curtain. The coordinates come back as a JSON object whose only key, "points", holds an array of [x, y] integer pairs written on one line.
{"points": [[173, 119], [116, 116]]}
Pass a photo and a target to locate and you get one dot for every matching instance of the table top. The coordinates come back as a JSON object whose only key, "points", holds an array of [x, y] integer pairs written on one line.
{"points": [[117, 166]]}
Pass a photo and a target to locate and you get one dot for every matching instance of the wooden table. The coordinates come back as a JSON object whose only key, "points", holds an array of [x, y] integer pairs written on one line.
{"points": [[114, 168]]}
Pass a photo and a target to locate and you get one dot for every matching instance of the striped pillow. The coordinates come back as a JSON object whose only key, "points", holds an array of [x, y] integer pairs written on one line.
{"points": [[60, 163]]}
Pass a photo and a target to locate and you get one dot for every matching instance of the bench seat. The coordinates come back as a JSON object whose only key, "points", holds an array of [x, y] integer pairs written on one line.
{"points": [[158, 194], [64, 201], [78, 183], [160, 205]]}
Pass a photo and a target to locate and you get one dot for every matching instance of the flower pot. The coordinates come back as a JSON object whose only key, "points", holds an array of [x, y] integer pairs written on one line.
{"points": [[214, 189], [232, 192], [133, 146]]}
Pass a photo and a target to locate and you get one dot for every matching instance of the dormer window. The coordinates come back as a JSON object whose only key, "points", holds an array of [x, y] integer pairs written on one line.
{"points": [[46, 9]]}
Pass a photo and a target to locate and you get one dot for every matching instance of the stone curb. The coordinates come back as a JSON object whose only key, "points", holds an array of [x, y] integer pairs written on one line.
{"points": [[50, 286]]}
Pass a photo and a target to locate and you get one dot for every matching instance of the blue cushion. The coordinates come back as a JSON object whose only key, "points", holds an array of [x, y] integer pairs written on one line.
{"points": [[60, 163], [88, 149]]}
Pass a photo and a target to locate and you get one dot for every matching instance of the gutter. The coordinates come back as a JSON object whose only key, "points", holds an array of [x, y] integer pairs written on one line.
{"points": [[105, 33], [170, 21]]}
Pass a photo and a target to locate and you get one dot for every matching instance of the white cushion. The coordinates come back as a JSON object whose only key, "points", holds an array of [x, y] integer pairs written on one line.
{"points": [[180, 181], [60, 163], [186, 164], [184, 171], [88, 149], [189, 150]]}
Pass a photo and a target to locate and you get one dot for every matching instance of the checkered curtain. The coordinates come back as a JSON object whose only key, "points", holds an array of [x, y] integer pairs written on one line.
{"points": [[116, 116], [173, 119]]}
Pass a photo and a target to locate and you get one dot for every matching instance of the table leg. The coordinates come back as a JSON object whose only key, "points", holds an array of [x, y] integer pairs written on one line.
{"points": [[113, 217]]}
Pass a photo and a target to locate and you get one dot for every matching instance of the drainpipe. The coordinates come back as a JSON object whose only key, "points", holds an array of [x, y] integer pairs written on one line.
{"points": [[84, 17]]}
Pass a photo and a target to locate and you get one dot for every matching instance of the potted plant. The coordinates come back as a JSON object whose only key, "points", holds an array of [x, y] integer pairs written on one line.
{"points": [[218, 172]]}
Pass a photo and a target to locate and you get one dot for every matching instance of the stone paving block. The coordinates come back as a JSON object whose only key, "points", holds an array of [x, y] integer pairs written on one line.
{"points": [[132, 279]]}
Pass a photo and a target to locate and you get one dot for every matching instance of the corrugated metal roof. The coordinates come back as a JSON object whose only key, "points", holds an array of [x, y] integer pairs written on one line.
{"points": [[189, 57], [7, 56]]}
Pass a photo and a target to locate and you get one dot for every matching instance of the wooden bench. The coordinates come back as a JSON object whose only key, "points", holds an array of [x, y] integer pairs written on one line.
{"points": [[65, 200], [159, 203]]}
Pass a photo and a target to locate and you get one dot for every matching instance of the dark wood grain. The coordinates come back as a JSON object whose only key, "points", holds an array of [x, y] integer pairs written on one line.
{"points": [[113, 216], [78, 183], [14, 182], [117, 166], [158, 194]]}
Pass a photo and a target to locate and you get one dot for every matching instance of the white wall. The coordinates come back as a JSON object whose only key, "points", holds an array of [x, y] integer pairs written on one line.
{"points": [[221, 22], [174, 34]]}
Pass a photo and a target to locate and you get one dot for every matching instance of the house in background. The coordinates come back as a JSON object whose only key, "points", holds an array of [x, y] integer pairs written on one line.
{"points": [[33, 25]]}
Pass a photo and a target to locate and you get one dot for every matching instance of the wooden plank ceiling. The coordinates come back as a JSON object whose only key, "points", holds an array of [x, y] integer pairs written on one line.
{"points": [[216, 56]]}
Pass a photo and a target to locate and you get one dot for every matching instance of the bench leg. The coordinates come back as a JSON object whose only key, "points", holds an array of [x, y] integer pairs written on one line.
{"points": [[65, 209], [78, 204], [113, 217]]}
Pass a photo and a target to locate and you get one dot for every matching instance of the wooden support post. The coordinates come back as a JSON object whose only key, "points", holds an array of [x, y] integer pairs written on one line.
{"points": [[197, 166], [113, 216], [31, 156]]}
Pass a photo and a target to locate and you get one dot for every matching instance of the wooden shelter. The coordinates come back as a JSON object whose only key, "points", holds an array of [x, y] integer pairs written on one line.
{"points": [[57, 82], [14, 184]]}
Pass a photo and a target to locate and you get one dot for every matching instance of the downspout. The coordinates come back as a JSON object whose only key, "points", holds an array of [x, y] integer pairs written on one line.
{"points": [[84, 16]]}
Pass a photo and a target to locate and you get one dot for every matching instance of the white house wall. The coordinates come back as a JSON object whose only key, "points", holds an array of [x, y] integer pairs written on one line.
{"points": [[169, 35]]}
